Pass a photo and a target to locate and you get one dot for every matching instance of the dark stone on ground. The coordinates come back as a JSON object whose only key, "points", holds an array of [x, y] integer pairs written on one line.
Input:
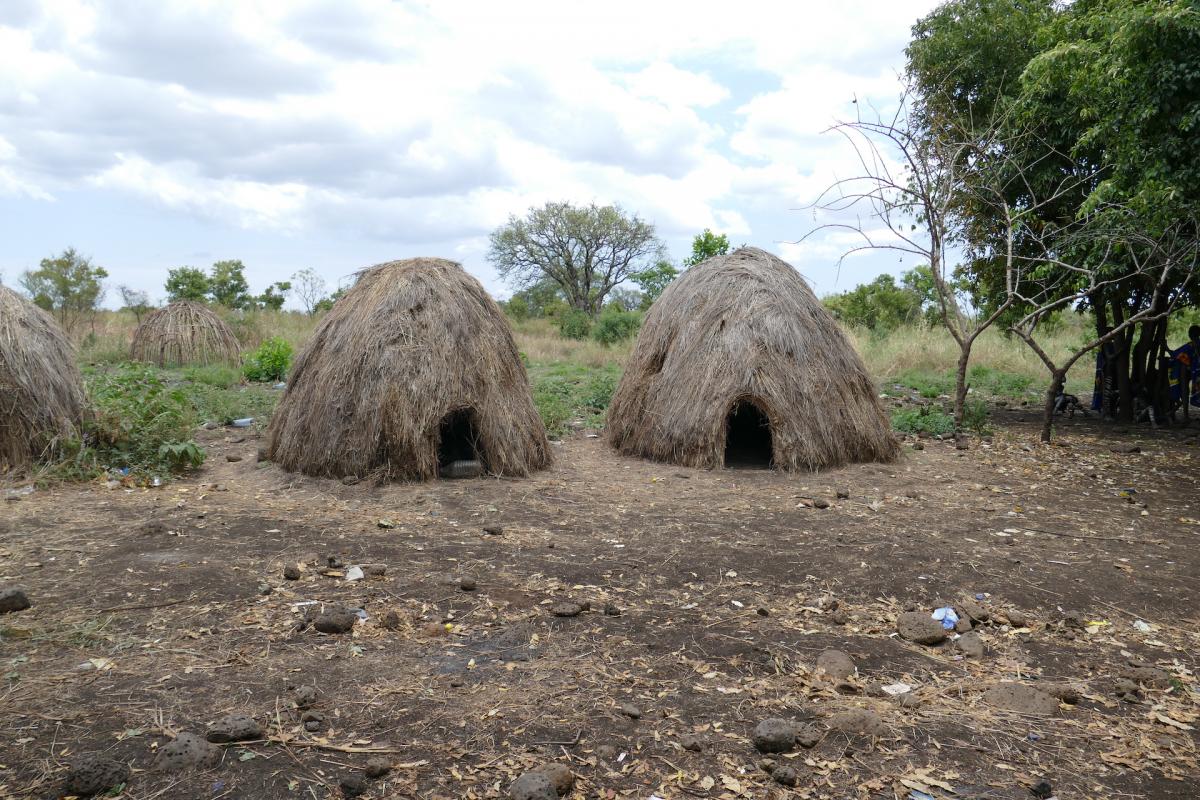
{"points": [[784, 776], [843, 494], [560, 775], [820, 502], [349, 480], [533, 786], [1017, 618], [375, 570], [1021, 699], [1127, 690], [312, 721], [13, 600], [692, 742], [235, 727], [774, 736], [1147, 676], [467, 584], [93, 774], [291, 572], [390, 621], [187, 751], [807, 736], [153, 527], [919, 627], [232, 458], [836, 664], [262, 454], [352, 785], [566, 609], [1042, 790], [336, 621], [377, 767], [970, 644], [839, 616], [493, 530], [858, 721], [305, 697], [767, 764], [333, 562], [631, 711], [918, 446], [611, 610], [764, 612]]}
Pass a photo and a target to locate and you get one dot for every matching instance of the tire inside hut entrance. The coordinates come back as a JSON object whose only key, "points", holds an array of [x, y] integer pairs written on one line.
{"points": [[459, 451], [747, 437]]}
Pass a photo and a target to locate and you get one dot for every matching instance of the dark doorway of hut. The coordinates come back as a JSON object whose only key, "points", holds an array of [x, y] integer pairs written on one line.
{"points": [[747, 437], [459, 451]]}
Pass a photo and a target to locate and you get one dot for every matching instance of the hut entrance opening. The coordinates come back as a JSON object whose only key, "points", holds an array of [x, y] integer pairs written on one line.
{"points": [[460, 454], [747, 437]]}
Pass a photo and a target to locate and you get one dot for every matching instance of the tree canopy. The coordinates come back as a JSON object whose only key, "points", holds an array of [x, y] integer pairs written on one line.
{"points": [[69, 285]]}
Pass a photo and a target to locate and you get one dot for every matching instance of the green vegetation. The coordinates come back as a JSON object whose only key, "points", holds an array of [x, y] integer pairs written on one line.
{"points": [[69, 286], [931, 419], [615, 325], [270, 361], [563, 392], [575, 324]]}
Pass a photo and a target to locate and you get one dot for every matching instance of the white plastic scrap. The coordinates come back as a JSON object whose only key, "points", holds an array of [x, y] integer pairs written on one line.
{"points": [[354, 573], [897, 688]]}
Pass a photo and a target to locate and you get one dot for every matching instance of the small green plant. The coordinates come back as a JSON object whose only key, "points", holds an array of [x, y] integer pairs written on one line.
{"points": [[976, 416], [269, 362], [598, 391], [928, 384], [219, 375], [615, 325], [930, 420], [574, 324]]}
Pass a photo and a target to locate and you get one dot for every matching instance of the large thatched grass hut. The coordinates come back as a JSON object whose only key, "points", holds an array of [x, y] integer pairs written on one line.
{"points": [[412, 374], [739, 363], [184, 333], [41, 390]]}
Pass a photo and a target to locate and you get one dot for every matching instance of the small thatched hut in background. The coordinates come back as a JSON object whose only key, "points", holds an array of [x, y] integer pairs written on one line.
{"points": [[738, 362], [182, 333], [412, 371], [41, 390]]}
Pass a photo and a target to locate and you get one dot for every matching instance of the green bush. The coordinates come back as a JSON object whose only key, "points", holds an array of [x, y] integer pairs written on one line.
{"points": [[931, 420], [575, 324], [928, 384], [516, 308], [269, 362], [598, 391], [219, 375], [615, 325], [137, 423], [976, 416]]}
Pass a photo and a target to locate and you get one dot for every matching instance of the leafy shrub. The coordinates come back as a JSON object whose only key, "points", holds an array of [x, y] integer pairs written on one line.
{"points": [[931, 420], [516, 308], [574, 324], [976, 415], [219, 375], [552, 398], [928, 384], [598, 391], [269, 362], [138, 423], [615, 325]]}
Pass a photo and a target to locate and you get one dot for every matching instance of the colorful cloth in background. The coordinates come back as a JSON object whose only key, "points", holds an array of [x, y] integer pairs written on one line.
{"points": [[1185, 362]]}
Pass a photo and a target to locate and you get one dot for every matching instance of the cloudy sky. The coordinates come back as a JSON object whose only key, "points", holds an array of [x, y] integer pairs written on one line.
{"points": [[151, 134]]}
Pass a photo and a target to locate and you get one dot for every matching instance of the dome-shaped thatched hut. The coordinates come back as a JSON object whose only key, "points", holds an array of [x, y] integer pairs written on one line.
{"points": [[41, 390], [739, 363], [184, 333], [413, 373]]}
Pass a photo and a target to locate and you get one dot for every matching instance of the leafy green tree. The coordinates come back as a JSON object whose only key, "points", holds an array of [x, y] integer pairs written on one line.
{"points": [[654, 280], [326, 303], [69, 286], [187, 283], [880, 306], [135, 301], [227, 285], [586, 250], [275, 295], [706, 245]]}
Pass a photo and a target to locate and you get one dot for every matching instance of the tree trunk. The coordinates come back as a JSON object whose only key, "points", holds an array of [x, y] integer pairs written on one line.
{"points": [[1121, 365], [960, 385], [1057, 379]]}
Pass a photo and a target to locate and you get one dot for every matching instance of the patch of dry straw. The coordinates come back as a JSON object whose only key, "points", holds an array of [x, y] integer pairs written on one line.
{"points": [[41, 390], [184, 333], [411, 343], [746, 328]]}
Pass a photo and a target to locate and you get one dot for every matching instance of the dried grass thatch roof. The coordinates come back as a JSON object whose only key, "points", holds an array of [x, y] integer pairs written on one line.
{"points": [[413, 344], [41, 390], [184, 332], [746, 328]]}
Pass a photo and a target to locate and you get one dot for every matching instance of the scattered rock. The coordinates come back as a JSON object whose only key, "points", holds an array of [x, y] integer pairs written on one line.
{"points": [[971, 608], [836, 664], [611, 610], [352, 785], [784, 776], [820, 502], [312, 721], [843, 494], [566, 609], [767, 764], [763, 612], [919, 627], [262, 454], [153, 527], [493, 530], [807, 736], [774, 736], [232, 458], [335, 621], [1042, 790], [858, 721], [236, 727], [631, 711], [377, 767], [1147, 676], [390, 621], [13, 600], [350, 480], [918, 446], [91, 775], [963, 625], [560, 776], [839, 616], [375, 570], [1017, 618], [1021, 699], [291, 572], [1074, 620], [533, 786], [305, 697], [467, 584], [187, 751], [692, 742], [970, 644]]}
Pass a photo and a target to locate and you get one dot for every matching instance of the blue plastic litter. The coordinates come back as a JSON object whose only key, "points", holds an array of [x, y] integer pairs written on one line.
{"points": [[980, 595], [916, 795], [243, 423], [947, 617]]}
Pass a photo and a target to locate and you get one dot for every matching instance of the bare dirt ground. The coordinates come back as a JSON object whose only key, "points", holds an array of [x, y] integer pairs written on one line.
{"points": [[711, 596]]}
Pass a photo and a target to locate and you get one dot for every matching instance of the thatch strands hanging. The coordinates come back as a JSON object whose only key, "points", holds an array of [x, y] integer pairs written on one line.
{"points": [[41, 390], [413, 369], [745, 333], [184, 333]]}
